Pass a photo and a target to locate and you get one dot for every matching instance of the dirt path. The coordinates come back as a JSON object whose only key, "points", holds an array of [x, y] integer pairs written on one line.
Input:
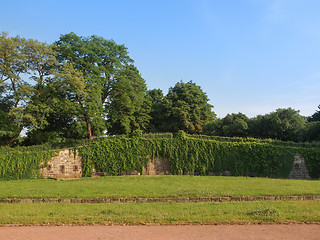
{"points": [[154, 200], [221, 232]]}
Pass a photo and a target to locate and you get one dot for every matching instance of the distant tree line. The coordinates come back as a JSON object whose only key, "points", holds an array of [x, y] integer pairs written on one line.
{"points": [[85, 87], [284, 124]]}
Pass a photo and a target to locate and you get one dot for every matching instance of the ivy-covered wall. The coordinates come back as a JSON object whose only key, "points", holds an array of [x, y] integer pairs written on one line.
{"points": [[197, 155], [22, 163], [187, 154]]}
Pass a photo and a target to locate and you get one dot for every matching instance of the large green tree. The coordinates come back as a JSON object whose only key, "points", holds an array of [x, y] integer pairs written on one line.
{"points": [[25, 69], [235, 125], [157, 122], [187, 108], [129, 106], [232, 125], [103, 88]]}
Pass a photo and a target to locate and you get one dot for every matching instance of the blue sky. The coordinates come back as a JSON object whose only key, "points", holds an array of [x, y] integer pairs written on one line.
{"points": [[249, 56]]}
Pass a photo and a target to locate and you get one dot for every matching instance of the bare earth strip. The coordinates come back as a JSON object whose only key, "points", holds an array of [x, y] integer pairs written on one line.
{"points": [[154, 200], [221, 232]]}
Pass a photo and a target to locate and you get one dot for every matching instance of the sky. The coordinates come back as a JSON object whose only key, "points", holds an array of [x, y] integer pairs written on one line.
{"points": [[249, 56]]}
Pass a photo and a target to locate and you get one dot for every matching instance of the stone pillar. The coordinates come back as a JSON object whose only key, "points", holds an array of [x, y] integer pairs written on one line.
{"points": [[299, 170]]}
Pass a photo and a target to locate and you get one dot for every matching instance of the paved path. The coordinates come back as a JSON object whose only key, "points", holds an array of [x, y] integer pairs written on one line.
{"points": [[219, 232]]}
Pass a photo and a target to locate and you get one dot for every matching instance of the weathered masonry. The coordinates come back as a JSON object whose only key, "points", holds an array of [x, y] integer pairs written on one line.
{"points": [[68, 164], [299, 170], [64, 165]]}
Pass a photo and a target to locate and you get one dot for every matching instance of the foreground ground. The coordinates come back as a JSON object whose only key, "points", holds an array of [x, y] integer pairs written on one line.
{"points": [[157, 187], [77, 201], [20, 218], [160, 213], [221, 232]]}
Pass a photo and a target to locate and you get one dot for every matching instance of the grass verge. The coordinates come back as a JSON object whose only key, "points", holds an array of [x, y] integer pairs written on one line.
{"points": [[161, 213], [156, 187]]}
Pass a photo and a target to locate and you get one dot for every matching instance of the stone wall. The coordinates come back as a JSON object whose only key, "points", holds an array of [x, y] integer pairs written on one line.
{"points": [[64, 165], [299, 170], [157, 166]]}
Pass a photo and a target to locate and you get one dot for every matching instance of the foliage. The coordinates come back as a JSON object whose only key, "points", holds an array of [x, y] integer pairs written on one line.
{"points": [[193, 155], [86, 87], [316, 116], [22, 164], [136, 134], [157, 122], [129, 107], [197, 156], [312, 159], [232, 125], [95, 88], [313, 127], [313, 131], [258, 140], [235, 125], [83, 99], [8, 128], [157, 135], [213, 128], [187, 154], [114, 156], [186, 108], [283, 124], [25, 101], [100, 81]]}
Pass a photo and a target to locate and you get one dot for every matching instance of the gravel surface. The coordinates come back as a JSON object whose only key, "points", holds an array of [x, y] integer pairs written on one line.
{"points": [[221, 232]]}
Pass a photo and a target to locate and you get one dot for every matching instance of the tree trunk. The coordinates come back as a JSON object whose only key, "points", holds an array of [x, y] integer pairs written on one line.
{"points": [[15, 136], [89, 128]]}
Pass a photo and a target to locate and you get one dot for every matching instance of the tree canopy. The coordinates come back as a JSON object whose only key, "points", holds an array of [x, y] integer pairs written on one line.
{"points": [[89, 69], [85, 87], [129, 106], [313, 127], [187, 108], [235, 125], [284, 124], [157, 121], [316, 116], [78, 87], [25, 70]]}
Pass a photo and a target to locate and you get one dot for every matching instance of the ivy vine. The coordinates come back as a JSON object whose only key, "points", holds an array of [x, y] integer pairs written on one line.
{"points": [[187, 154]]}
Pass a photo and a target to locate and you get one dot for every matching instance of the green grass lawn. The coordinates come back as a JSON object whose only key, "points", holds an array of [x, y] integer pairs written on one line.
{"points": [[156, 186], [161, 213]]}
